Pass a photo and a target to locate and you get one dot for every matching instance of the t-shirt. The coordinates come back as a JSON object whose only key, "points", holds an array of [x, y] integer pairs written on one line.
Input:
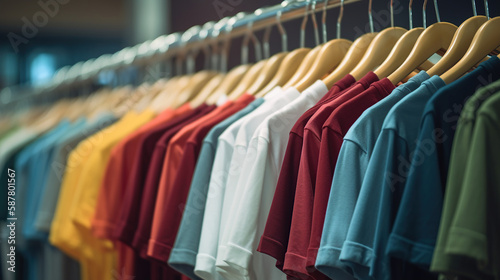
{"points": [[152, 179], [416, 226], [169, 214], [350, 169], [274, 240], [183, 255], [465, 260], [256, 188], [128, 219], [231, 145], [474, 233], [383, 183], [301, 223]]}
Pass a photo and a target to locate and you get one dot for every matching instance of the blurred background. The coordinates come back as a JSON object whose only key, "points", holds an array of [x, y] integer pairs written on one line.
{"points": [[40, 36]]}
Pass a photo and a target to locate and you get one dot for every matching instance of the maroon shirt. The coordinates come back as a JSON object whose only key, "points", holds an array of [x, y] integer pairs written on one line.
{"points": [[274, 240], [172, 210], [128, 219], [300, 230], [147, 204], [332, 135]]}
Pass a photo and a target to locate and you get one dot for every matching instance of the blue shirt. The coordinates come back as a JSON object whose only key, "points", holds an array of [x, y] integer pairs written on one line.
{"points": [[183, 255], [413, 237], [349, 173], [383, 183]]}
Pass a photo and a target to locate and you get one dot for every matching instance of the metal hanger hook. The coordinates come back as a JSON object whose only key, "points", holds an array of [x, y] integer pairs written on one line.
{"points": [[486, 9], [370, 16], [323, 22], [392, 13], [339, 19], [436, 8], [424, 14], [315, 23], [410, 14], [284, 36], [303, 27]]}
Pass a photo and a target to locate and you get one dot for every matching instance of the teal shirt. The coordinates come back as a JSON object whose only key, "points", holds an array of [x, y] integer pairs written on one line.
{"points": [[383, 183], [183, 256], [349, 173]]}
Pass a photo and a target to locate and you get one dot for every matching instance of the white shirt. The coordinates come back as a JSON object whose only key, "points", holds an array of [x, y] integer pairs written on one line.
{"points": [[223, 168], [255, 190]]}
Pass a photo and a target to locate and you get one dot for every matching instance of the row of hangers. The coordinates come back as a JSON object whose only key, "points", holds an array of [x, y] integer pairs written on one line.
{"points": [[394, 52]]}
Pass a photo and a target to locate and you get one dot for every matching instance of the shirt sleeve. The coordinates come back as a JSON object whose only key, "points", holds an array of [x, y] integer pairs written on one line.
{"points": [[417, 222], [300, 230], [346, 184], [470, 233], [331, 143], [371, 222], [274, 241]]}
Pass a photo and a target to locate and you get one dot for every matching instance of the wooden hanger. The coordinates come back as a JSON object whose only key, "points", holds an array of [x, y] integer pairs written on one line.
{"points": [[231, 80], [207, 90], [248, 79], [399, 52], [329, 57], [378, 51], [287, 68], [267, 73], [435, 38], [486, 40], [196, 83], [459, 45], [351, 59], [304, 67]]}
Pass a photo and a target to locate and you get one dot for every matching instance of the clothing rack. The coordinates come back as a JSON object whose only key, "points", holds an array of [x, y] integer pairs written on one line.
{"points": [[168, 46]]}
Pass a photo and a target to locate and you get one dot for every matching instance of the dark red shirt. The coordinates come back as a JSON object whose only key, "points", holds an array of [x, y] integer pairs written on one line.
{"points": [[148, 200], [274, 240], [171, 211], [300, 230], [332, 135]]}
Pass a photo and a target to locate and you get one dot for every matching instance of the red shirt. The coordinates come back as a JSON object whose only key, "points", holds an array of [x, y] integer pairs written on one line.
{"points": [[128, 219], [274, 240], [332, 135], [168, 214], [147, 204], [300, 231]]}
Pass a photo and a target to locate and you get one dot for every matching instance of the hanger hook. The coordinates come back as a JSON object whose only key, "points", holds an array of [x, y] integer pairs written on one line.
{"points": [[436, 8], [315, 23], [284, 36], [303, 28], [370, 16], [474, 11], [410, 14], [424, 14], [265, 42], [392, 13], [323, 21], [244, 48], [339, 19], [486, 9]]}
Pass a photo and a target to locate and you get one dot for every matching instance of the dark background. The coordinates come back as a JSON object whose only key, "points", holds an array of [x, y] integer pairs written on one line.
{"points": [[84, 29]]}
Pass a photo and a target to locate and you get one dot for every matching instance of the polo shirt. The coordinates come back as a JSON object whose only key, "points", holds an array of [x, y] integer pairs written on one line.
{"points": [[116, 178], [274, 240], [226, 169], [413, 239], [353, 158], [460, 263], [474, 231], [49, 196], [383, 183], [183, 255], [256, 188], [152, 179], [301, 223], [170, 213], [128, 219]]}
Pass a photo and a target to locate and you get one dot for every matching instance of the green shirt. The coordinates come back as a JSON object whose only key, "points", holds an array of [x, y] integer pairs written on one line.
{"points": [[465, 243]]}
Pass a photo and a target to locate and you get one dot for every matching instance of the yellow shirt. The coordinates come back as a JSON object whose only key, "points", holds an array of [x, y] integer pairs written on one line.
{"points": [[70, 229]]}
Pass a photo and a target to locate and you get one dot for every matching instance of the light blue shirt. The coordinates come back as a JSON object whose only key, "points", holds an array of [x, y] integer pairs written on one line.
{"points": [[350, 169]]}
